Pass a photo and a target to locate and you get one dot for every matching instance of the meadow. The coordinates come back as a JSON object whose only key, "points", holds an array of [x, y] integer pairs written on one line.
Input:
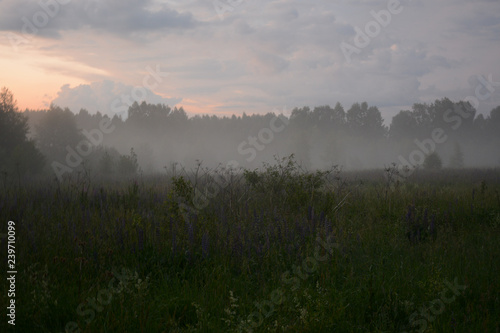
{"points": [[274, 250]]}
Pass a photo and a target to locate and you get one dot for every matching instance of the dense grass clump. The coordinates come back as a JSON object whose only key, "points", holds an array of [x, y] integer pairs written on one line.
{"points": [[271, 250]]}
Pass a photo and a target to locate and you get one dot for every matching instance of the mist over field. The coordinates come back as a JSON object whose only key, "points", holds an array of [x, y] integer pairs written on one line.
{"points": [[249, 166], [319, 137]]}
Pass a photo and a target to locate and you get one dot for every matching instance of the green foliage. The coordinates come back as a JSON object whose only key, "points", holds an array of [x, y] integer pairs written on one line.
{"points": [[183, 189], [285, 185], [374, 280]]}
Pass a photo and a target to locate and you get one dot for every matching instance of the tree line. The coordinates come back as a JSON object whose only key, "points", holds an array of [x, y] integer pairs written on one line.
{"points": [[155, 136]]}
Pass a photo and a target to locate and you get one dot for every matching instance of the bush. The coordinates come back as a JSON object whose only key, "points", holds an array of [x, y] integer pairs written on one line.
{"points": [[433, 162], [128, 165], [285, 184]]}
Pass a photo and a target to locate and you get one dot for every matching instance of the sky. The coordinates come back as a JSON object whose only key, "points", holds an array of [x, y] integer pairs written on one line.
{"points": [[227, 57]]}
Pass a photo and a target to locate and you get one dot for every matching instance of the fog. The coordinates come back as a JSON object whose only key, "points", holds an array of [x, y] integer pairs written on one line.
{"points": [[160, 139]]}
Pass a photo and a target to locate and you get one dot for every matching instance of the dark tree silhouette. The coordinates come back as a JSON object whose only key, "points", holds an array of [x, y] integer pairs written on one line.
{"points": [[433, 162], [318, 136], [56, 131], [404, 125], [494, 122], [17, 152], [365, 121], [457, 159]]}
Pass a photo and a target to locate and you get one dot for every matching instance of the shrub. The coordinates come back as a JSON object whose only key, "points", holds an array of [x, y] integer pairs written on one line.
{"points": [[128, 165], [433, 162]]}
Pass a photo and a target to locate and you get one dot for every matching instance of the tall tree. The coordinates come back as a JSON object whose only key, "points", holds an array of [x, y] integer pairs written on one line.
{"points": [[17, 152], [457, 159], [56, 131], [356, 116], [338, 115], [326, 118], [494, 122], [403, 125], [365, 121]]}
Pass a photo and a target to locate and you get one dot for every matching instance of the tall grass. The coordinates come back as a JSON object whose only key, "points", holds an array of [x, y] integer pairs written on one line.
{"points": [[203, 269]]}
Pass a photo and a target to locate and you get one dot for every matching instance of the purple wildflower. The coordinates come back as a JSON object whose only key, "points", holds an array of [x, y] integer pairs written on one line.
{"points": [[409, 215]]}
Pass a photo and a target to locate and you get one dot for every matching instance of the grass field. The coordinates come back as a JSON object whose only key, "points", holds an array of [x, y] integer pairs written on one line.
{"points": [[279, 250]]}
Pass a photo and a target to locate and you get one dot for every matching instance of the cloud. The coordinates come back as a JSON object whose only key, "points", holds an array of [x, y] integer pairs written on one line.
{"points": [[107, 97], [267, 54], [120, 17], [268, 63]]}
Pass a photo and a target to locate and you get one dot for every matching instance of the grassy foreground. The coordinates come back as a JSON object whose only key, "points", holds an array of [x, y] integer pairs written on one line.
{"points": [[274, 251]]}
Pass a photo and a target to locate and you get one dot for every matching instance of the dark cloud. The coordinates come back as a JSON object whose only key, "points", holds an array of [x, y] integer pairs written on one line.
{"points": [[266, 53], [482, 24], [120, 17]]}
